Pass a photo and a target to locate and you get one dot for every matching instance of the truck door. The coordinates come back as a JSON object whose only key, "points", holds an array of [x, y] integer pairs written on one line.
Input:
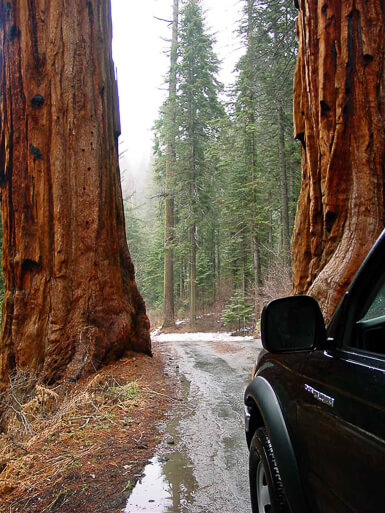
{"points": [[341, 410]]}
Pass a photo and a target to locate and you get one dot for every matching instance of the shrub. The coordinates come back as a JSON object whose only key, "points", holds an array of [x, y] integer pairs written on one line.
{"points": [[238, 312]]}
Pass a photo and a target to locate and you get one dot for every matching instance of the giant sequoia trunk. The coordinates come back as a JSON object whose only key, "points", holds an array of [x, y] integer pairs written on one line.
{"points": [[71, 301], [339, 118]]}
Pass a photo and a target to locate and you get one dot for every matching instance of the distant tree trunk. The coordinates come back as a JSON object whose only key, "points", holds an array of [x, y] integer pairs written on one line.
{"points": [[193, 198], [339, 110], [213, 262], [284, 194], [71, 302], [181, 280], [169, 320], [244, 272], [193, 276], [218, 252], [251, 147], [255, 246], [290, 192]]}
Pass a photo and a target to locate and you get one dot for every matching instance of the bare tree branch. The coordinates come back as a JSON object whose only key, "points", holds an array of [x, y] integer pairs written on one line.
{"points": [[162, 19]]}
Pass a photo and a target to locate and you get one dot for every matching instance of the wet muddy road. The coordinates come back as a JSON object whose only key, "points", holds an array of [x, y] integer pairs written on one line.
{"points": [[201, 465]]}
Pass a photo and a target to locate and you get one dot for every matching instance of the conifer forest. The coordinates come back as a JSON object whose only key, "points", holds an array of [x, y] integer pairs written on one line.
{"points": [[139, 246], [211, 230]]}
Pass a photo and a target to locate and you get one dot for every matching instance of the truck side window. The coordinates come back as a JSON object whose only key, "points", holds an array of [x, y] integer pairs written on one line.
{"points": [[370, 328], [377, 307]]}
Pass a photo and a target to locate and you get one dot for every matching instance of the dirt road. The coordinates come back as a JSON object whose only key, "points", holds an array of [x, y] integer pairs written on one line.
{"points": [[201, 465]]}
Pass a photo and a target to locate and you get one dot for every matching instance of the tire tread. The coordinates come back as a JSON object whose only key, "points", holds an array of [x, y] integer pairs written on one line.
{"points": [[261, 448]]}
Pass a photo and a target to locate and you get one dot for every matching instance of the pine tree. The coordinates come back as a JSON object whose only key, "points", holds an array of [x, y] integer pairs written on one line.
{"points": [[237, 176], [238, 312], [266, 86], [260, 168], [197, 109], [170, 113]]}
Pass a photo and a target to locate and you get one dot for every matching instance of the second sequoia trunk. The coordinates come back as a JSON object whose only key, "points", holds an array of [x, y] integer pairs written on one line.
{"points": [[71, 301], [339, 110]]}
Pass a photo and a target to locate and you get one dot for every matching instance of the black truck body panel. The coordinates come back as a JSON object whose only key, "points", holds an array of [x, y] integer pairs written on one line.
{"points": [[324, 409]]}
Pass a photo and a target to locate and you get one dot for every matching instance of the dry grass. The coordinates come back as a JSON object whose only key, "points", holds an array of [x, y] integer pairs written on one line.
{"points": [[39, 417], [276, 282], [155, 316]]}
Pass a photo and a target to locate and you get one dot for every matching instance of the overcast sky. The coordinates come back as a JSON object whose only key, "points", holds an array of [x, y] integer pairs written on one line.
{"points": [[139, 56]]}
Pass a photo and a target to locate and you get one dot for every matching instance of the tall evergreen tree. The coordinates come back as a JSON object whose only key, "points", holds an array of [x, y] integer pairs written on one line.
{"points": [[247, 100], [170, 115], [197, 108], [236, 176], [260, 166], [266, 83]]}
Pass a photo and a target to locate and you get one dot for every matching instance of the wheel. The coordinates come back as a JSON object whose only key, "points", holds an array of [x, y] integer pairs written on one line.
{"points": [[266, 489]]}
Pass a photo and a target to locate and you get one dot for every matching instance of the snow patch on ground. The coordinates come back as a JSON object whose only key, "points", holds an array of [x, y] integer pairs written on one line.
{"points": [[198, 337], [181, 321]]}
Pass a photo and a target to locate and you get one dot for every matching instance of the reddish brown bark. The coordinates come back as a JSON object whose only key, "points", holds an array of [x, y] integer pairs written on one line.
{"points": [[71, 301], [339, 118]]}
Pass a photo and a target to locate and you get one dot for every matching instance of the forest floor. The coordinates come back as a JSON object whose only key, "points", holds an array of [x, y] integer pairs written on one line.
{"points": [[205, 323], [82, 447]]}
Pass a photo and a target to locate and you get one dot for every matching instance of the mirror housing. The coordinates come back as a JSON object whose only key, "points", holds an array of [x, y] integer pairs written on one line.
{"points": [[292, 324]]}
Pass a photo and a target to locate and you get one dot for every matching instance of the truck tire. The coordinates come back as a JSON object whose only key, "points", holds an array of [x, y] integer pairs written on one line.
{"points": [[266, 489]]}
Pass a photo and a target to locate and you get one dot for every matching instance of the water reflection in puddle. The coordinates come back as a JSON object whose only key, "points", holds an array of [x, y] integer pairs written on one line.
{"points": [[150, 493], [167, 486]]}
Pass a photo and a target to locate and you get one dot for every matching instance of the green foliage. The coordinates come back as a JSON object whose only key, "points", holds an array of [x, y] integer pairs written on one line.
{"points": [[145, 242], [238, 312], [197, 109], [255, 145], [193, 186], [227, 183], [152, 287], [134, 231]]}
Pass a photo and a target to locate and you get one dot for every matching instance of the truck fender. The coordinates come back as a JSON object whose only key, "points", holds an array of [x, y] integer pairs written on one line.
{"points": [[262, 394]]}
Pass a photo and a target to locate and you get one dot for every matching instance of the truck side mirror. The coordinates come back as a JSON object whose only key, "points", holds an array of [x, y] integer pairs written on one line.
{"points": [[293, 323]]}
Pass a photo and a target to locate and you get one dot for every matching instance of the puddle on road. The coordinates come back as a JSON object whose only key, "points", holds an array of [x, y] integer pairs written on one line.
{"points": [[167, 487], [168, 484], [150, 493]]}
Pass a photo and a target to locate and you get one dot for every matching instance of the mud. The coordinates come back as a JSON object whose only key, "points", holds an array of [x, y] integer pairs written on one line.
{"points": [[201, 466]]}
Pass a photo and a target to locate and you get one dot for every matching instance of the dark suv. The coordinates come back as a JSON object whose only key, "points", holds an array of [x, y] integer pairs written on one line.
{"points": [[315, 409]]}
